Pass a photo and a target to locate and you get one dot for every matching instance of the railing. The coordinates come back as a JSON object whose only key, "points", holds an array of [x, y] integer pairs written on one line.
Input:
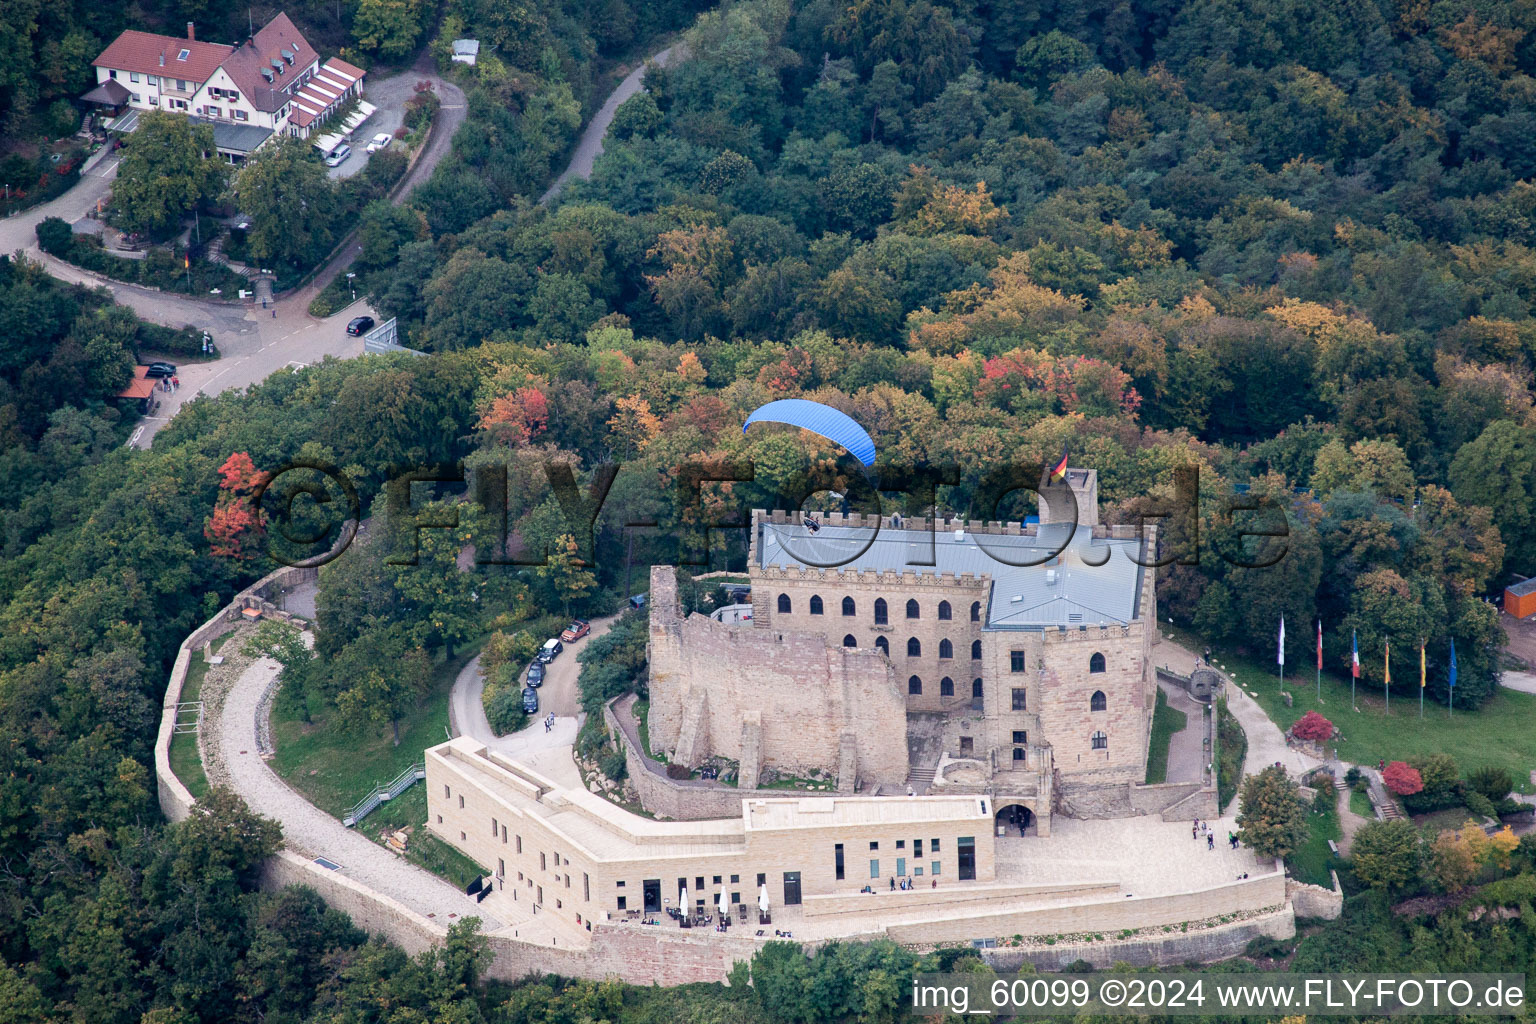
{"points": [[381, 794]]}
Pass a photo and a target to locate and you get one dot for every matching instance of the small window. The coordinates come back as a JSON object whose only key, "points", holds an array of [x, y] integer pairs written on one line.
{"points": [[1020, 736], [872, 846], [1097, 701], [849, 641], [623, 902], [735, 879], [849, 607], [1018, 753], [944, 611], [901, 844], [184, 54], [967, 746], [446, 792], [914, 647], [133, 76], [783, 604], [1020, 699], [543, 862], [913, 611], [1016, 661], [520, 847], [882, 645], [946, 687], [933, 868], [495, 827], [946, 649], [461, 800], [914, 685], [837, 862], [874, 868], [975, 650], [975, 617], [815, 604], [1096, 663], [880, 611], [1100, 741]]}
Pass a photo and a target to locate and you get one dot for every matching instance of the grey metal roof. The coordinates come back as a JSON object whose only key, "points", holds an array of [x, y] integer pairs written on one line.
{"points": [[1523, 587], [1071, 592], [235, 138]]}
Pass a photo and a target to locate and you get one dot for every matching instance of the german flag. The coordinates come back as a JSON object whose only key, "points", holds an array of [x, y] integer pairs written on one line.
{"points": [[1059, 471]]}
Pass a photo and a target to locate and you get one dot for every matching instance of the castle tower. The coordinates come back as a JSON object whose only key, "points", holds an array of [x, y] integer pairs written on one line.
{"points": [[1056, 506]]}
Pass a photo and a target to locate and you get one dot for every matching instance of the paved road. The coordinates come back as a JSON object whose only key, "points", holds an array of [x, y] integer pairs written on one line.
{"points": [[20, 231], [558, 694], [591, 145], [309, 830]]}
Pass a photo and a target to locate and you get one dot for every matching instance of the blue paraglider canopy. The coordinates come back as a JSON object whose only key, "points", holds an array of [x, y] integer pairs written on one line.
{"points": [[818, 419]]}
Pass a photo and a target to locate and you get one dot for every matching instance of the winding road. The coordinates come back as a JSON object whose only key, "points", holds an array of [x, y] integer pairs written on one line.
{"points": [[254, 342]]}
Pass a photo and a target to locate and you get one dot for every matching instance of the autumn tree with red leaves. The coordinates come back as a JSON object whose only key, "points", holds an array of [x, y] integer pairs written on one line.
{"points": [[237, 529], [1313, 726], [1402, 779]]}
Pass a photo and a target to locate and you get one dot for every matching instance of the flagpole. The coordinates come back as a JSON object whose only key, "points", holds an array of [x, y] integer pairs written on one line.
{"points": [[1386, 682], [1319, 661]]}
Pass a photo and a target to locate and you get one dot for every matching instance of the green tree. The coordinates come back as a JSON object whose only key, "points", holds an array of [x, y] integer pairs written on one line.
{"points": [[383, 682], [169, 167], [388, 28], [1497, 470], [1386, 854], [1272, 820], [292, 205], [566, 574]]}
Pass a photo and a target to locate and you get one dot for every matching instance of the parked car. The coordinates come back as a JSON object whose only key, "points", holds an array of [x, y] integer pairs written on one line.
{"points": [[536, 674], [530, 700], [359, 325], [576, 630], [154, 370], [548, 652], [338, 155], [380, 141]]}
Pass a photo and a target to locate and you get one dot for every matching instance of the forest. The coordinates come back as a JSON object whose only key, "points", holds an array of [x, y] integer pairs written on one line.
{"points": [[1289, 244]]}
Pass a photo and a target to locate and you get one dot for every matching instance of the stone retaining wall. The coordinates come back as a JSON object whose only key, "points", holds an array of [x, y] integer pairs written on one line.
{"points": [[1315, 901], [1205, 945]]}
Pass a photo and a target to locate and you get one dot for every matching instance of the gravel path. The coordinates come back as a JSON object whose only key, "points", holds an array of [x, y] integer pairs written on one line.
{"points": [[591, 145], [231, 758]]}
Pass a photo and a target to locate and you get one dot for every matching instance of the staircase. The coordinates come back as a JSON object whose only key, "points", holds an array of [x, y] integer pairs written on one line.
{"points": [[214, 253], [919, 779]]}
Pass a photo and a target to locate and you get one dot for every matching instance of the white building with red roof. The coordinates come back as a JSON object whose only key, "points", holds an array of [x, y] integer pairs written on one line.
{"points": [[273, 83]]}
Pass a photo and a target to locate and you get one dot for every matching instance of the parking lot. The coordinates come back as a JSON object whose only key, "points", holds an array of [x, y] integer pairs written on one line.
{"points": [[389, 95]]}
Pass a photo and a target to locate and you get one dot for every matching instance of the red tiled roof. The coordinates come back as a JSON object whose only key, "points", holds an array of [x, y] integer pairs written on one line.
{"points": [[140, 386], [144, 51], [246, 63], [347, 69], [323, 90]]}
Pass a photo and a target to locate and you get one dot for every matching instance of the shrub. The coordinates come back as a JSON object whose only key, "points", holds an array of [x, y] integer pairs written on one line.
{"points": [[55, 236], [1386, 854], [1493, 783], [505, 711], [678, 771], [1313, 726], [1401, 779], [612, 765], [1480, 805]]}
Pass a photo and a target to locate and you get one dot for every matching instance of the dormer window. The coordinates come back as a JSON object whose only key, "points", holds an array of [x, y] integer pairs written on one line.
{"points": [[288, 56], [184, 54]]}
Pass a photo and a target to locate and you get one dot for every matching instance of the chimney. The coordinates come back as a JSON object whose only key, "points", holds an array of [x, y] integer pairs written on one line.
{"points": [[190, 34]]}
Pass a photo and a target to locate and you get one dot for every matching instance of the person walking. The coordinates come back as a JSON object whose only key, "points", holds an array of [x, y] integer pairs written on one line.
{"points": [[1232, 838], [1210, 842], [893, 883]]}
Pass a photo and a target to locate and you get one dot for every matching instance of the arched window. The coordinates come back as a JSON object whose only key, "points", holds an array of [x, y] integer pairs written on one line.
{"points": [[944, 612], [815, 604], [1096, 663], [1018, 753], [848, 606], [1097, 701], [946, 687], [946, 649], [975, 611], [914, 685], [784, 604], [913, 611], [849, 641], [976, 695], [975, 650], [1100, 741], [882, 646], [914, 647], [880, 611]]}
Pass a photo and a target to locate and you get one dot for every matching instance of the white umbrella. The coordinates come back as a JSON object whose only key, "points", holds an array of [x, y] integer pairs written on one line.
{"points": [[762, 899], [720, 902], [682, 900]]}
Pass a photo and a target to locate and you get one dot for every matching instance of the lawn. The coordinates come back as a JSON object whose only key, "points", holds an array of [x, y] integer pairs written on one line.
{"points": [[1231, 748], [1165, 722], [1360, 803], [336, 767], [1501, 733], [186, 759], [424, 848], [1312, 860]]}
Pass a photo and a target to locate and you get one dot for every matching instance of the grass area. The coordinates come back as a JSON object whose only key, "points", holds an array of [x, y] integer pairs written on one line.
{"points": [[335, 767], [1231, 748], [186, 759], [1165, 722], [1445, 818], [1360, 803], [424, 849], [1501, 733], [1312, 861], [642, 709]]}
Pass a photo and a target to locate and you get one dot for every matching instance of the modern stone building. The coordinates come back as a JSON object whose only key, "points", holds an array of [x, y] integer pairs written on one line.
{"points": [[947, 656]]}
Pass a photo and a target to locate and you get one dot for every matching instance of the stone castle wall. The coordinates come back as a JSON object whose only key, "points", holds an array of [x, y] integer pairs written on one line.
{"points": [[706, 677]]}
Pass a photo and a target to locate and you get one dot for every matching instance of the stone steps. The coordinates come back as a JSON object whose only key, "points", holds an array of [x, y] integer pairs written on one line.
{"points": [[919, 779]]}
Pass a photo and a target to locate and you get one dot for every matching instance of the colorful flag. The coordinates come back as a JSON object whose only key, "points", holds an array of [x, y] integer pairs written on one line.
{"points": [[1354, 644], [1421, 665], [186, 260], [1059, 471], [1319, 645], [1389, 663], [1453, 663], [1280, 656]]}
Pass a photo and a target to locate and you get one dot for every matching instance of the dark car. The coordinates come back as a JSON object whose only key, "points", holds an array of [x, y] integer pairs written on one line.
{"points": [[536, 674], [359, 325], [160, 370], [530, 700], [550, 651]]}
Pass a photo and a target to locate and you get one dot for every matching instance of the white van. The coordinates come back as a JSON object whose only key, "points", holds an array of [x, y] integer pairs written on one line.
{"points": [[338, 155]]}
